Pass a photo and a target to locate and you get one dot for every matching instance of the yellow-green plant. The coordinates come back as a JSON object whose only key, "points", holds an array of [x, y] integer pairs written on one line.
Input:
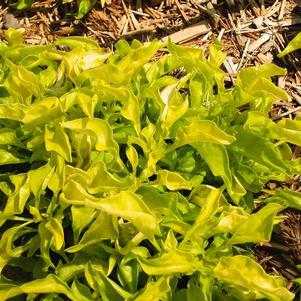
{"points": [[121, 181]]}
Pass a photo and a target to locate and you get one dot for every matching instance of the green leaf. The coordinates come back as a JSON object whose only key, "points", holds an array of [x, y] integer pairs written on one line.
{"points": [[22, 4], [125, 204], [202, 131], [9, 137], [54, 226], [202, 221], [200, 288], [106, 287], [258, 227], [84, 6], [245, 273], [9, 158], [216, 157], [155, 290], [15, 36], [96, 128], [50, 284], [81, 291], [102, 228], [293, 45], [174, 105], [77, 42], [81, 218], [7, 251], [259, 150], [254, 86], [17, 200], [285, 130], [58, 141], [103, 181], [231, 218], [22, 84], [172, 180], [287, 198], [175, 261]]}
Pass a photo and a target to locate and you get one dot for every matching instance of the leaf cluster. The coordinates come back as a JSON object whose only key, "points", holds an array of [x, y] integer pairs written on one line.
{"points": [[121, 180]]}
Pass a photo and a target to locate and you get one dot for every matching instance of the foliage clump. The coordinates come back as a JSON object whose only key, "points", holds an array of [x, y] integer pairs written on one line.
{"points": [[121, 180]]}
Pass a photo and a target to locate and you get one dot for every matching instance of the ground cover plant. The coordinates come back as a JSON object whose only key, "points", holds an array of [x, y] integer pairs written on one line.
{"points": [[127, 178]]}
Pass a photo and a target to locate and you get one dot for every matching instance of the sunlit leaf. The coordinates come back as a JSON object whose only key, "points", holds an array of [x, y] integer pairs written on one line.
{"points": [[244, 272], [293, 45]]}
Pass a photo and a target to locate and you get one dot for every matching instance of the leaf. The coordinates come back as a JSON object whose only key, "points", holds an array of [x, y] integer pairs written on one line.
{"points": [[259, 150], [39, 179], [22, 84], [98, 129], [14, 111], [35, 114], [84, 6], [172, 180], [54, 226], [175, 261], [133, 158], [285, 130], [130, 109], [258, 227], [17, 200], [216, 157], [81, 218], [9, 158], [15, 36], [81, 291], [76, 41], [200, 288], [244, 272], [175, 107], [293, 45], [50, 284], [125, 204], [7, 252], [106, 287], [8, 137], [289, 130], [201, 131], [254, 86], [202, 221], [58, 141], [22, 4], [155, 290], [102, 228], [287, 198], [103, 181], [231, 219], [81, 98]]}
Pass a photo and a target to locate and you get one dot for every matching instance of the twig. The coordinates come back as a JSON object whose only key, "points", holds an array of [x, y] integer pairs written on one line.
{"points": [[282, 8], [244, 53], [277, 117], [181, 11], [189, 33]]}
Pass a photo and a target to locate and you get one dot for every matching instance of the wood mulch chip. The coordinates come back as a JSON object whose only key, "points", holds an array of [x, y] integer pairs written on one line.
{"points": [[252, 32]]}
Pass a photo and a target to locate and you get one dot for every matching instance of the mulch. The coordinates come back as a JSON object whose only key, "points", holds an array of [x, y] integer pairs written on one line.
{"points": [[252, 32]]}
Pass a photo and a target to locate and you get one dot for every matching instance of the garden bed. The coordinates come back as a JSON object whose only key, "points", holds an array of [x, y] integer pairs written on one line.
{"points": [[252, 33]]}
